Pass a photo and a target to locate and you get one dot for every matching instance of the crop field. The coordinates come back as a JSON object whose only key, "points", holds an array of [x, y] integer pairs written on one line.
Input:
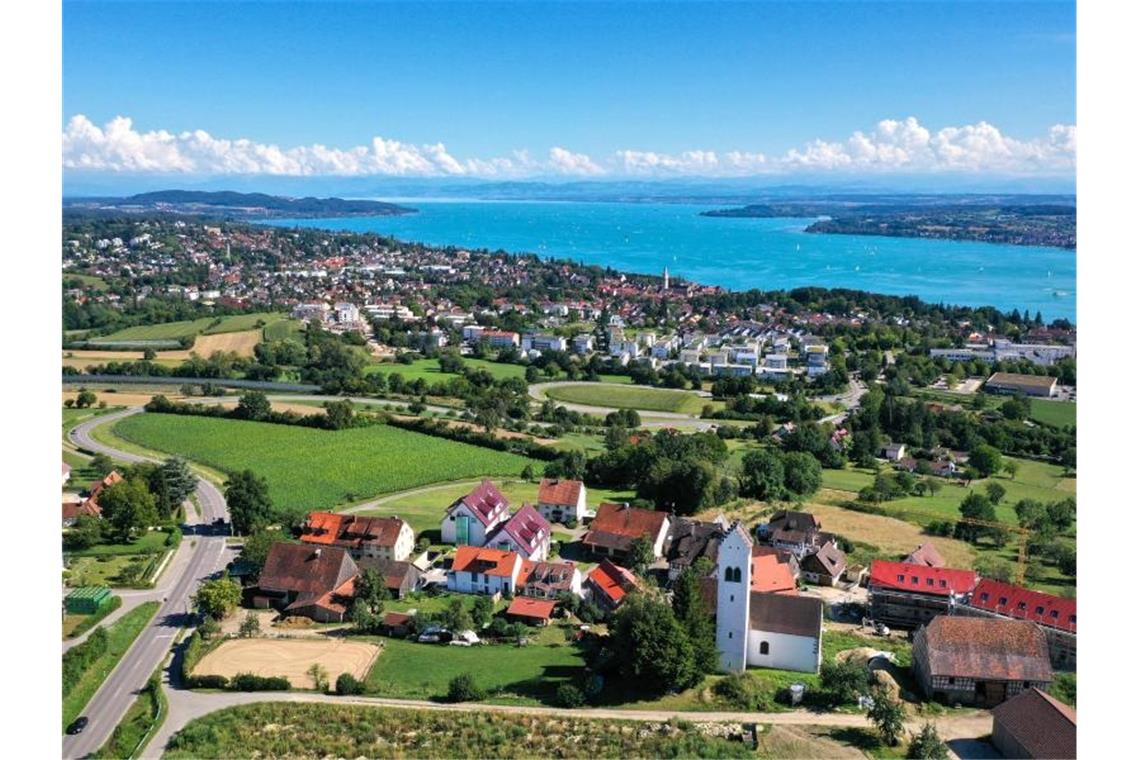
{"points": [[628, 397], [289, 658], [1058, 413], [285, 328], [292, 730], [428, 369], [188, 328], [308, 468]]}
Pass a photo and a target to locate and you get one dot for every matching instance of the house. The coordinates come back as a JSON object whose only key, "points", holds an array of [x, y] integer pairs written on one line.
{"points": [[546, 580], [894, 452], [398, 624], [480, 570], [975, 661], [1034, 725], [400, 577], [925, 555], [616, 526], [761, 629], [1010, 383], [691, 540], [66, 473], [526, 532], [97, 486], [74, 508], [500, 338], [471, 518], [825, 566], [1056, 615], [562, 501], [608, 584], [314, 582], [795, 532], [583, 343], [387, 538], [531, 611], [908, 596]]}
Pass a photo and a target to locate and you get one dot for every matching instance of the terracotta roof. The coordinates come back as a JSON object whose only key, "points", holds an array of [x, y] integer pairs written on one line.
{"points": [[1021, 603], [786, 613], [473, 559], [525, 606], [770, 574], [1042, 725], [986, 649], [926, 554], [561, 492], [304, 570], [486, 502], [66, 468], [904, 576], [394, 572], [553, 576], [526, 527], [826, 560], [612, 580], [96, 486], [351, 531], [396, 618], [617, 525], [72, 510]]}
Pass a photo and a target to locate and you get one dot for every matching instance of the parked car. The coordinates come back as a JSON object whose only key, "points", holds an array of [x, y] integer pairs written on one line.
{"points": [[77, 725]]}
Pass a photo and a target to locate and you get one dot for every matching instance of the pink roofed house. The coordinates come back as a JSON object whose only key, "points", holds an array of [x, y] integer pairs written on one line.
{"points": [[526, 532], [474, 517]]}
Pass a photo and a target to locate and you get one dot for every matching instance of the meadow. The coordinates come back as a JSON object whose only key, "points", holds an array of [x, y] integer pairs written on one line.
{"points": [[172, 331], [309, 468], [428, 369], [1056, 413], [628, 397]]}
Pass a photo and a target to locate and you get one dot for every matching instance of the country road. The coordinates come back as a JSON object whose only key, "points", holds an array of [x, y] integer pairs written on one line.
{"points": [[201, 554]]}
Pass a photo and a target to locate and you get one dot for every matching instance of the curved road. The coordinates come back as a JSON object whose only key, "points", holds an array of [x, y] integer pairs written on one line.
{"points": [[201, 555]]}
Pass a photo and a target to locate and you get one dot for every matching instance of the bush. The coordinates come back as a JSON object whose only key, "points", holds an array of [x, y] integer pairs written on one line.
{"points": [[569, 696], [463, 688], [206, 682], [347, 684], [253, 682], [79, 658]]}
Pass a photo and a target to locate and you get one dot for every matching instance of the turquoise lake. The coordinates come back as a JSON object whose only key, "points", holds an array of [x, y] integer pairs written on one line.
{"points": [[770, 254]]}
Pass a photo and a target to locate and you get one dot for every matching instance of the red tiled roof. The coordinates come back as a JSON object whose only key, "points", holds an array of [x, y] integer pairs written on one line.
{"points": [[112, 478], [617, 525], [561, 492], [525, 606], [770, 574], [72, 510], [926, 554], [985, 648], [396, 618], [612, 580], [905, 576], [485, 502], [474, 559], [350, 531], [1024, 604], [1043, 726]]}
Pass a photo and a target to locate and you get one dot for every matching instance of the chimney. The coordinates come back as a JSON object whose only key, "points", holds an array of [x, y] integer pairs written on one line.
{"points": [[316, 553]]}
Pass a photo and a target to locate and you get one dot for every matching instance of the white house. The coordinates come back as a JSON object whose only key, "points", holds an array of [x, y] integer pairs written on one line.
{"points": [[757, 629], [526, 533], [562, 500], [478, 570], [475, 516]]}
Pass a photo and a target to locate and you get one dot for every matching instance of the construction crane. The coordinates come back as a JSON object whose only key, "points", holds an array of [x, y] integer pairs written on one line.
{"points": [[1022, 535]]}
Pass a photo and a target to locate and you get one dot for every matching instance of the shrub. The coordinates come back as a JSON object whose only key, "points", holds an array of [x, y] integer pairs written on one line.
{"points": [[569, 696], [206, 682], [253, 682], [463, 688], [79, 658], [347, 684]]}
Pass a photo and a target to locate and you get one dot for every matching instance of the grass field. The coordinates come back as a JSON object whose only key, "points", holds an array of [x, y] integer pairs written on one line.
{"points": [[628, 397], [517, 675], [116, 571], [1057, 413], [289, 658], [189, 328], [284, 730], [423, 511], [120, 635], [78, 624], [428, 369], [284, 329], [311, 469]]}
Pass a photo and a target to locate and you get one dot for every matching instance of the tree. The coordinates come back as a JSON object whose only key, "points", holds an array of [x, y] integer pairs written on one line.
{"points": [[651, 647], [977, 507], [320, 677], [482, 610], [762, 475], [527, 473], [456, 616], [1030, 513], [1010, 467], [253, 405], [247, 496], [338, 414], [641, 554], [217, 598], [845, 680], [994, 567], [691, 611], [102, 465], [171, 483], [256, 548], [569, 696], [995, 492], [85, 398], [888, 715], [927, 745], [802, 473], [462, 688], [347, 684], [986, 459], [933, 485], [85, 533], [250, 626], [128, 507]]}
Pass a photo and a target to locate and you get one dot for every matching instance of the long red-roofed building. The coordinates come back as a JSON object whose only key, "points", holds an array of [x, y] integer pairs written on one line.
{"points": [[616, 526], [387, 538], [1056, 615], [907, 595]]}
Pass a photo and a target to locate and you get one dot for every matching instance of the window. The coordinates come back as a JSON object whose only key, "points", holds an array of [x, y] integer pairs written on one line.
{"points": [[985, 596], [942, 584], [732, 597], [902, 579], [1003, 601], [929, 581], [1021, 605], [763, 647], [1073, 619], [1053, 614], [1039, 611], [730, 634]]}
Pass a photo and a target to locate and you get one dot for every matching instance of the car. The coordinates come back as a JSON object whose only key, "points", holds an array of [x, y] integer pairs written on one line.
{"points": [[77, 725]]}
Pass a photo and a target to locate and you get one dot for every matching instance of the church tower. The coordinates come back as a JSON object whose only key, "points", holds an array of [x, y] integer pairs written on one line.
{"points": [[666, 277], [733, 599]]}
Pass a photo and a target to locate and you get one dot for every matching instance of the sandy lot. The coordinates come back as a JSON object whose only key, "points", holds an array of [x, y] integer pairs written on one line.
{"points": [[290, 658]]}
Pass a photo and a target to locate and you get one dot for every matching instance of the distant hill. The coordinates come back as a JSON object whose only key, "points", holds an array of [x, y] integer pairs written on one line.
{"points": [[231, 204]]}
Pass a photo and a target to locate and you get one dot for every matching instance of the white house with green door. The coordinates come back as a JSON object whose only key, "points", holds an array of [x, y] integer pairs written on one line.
{"points": [[472, 518]]}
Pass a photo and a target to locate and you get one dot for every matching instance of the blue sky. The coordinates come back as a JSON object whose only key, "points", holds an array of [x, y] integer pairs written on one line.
{"points": [[620, 88]]}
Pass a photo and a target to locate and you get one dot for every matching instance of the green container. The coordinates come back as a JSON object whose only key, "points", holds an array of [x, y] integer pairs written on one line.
{"points": [[87, 600]]}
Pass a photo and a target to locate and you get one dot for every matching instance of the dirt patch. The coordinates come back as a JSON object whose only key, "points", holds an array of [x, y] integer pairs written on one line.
{"points": [[241, 343], [803, 741], [126, 399], [290, 658]]}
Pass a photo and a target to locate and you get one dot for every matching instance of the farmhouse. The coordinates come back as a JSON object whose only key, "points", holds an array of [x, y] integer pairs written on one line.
{"points": [[562, 501], [894, 452], [758, 629], [825, 566], [609, 583], [1056, 615], [1034, 725], [387, 538], [925, 555], [74, 508], [1009, 383], [691, 540], [907, 596], [478, 570], [526, 532], [400, 577], [530, 610], [306, 581], [475, 516], [973, 661], [617, 526], [546, 580], [796, 532]]}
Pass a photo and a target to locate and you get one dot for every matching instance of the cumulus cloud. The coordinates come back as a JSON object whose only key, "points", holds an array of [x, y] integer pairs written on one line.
{"points": [[891, 146]]}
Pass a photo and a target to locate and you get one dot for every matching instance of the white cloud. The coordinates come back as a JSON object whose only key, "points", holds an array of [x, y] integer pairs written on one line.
{"points": [[892, 146]]}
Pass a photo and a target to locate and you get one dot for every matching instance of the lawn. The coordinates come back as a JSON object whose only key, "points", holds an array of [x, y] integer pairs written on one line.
{"points": [[628, 397], [1056, 413], [428, 369], [118, 570], [150, 542], [512, 674], [309, 468], [120, 637], [423, 511], [284, 329]]}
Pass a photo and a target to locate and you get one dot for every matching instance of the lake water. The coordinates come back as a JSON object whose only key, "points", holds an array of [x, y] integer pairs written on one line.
{"points": [[739, 254]]}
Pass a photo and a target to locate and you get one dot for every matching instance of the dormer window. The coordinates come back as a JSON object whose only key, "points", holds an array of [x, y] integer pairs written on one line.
{"points": [[1003, 601], [1039, 611], [985, 596], [1021, 605], [902, 579], [1053, 614]]}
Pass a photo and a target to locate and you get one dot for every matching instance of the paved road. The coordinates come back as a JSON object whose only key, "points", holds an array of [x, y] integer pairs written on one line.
{"points": [[203, 552]]}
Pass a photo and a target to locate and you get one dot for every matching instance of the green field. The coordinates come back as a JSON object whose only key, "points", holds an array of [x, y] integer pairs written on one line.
{"points": [[308, 468], [1057, 413], [628, 397], [121, 634], [89, 281], [290, 730], [428, 369], [423, 511], [190, 328], [283, 329], [518, 675]]}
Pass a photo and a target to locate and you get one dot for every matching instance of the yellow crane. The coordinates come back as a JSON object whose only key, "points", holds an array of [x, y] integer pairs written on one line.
{"points": [[1022, 535]]}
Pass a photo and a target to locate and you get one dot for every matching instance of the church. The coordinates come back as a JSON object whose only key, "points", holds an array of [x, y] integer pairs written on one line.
{"points": [[761, 629]]}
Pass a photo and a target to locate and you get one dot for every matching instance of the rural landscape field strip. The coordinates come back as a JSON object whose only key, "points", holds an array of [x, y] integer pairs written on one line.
{"points": [[627, 397], [309, 468]]}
